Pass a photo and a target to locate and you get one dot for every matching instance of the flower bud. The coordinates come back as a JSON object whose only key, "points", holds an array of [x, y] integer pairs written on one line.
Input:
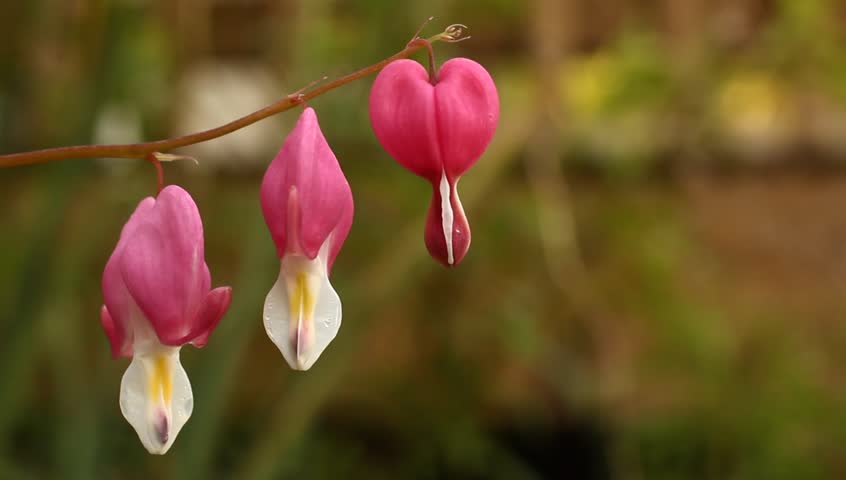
{"points": [[308, 207]]}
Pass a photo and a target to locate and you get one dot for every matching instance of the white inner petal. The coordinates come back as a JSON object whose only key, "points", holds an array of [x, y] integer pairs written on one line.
{"points": [[302, 312], [447, 216], [155, 394]]}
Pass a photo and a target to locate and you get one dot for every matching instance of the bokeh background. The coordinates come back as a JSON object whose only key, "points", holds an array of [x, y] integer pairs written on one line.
{"points": [[655, 288]]}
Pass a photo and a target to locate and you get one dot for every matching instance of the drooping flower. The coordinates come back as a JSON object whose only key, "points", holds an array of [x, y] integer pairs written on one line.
{"points": [[308, 207], [156, 290], [437, 131]]}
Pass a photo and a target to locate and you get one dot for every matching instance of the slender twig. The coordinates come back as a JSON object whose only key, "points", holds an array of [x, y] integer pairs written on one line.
{"points": [[143, 150], [152, 158], [433, 71], [420, 29]]}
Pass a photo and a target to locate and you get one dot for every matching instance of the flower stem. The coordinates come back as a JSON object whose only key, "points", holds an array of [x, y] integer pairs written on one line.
{"points": [[152, 158], [145, 149], [433, 71]]}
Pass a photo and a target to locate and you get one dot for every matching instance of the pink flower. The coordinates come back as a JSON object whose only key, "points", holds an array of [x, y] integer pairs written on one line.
{"points": [[308, 207], [157, 298], [437, 131]]}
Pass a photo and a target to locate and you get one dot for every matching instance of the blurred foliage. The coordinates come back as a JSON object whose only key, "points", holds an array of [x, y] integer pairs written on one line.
{"points": [[694, 332]]}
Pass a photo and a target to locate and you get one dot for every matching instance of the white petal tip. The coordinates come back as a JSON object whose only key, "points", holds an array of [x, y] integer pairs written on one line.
{"points": [[447, 216], [156, 398], [302, 364], [302, 312]]}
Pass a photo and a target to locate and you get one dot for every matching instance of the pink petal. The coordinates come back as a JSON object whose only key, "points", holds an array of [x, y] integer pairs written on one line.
{"points": [[304, 194], [117, 334], [216, 304], [428, 128], [157, 274], [339, 234], [163, 265], [467, 111], [402, 113], [116, 311]]}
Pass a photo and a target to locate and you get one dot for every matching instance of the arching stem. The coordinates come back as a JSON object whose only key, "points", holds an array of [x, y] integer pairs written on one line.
{"points": [[143, 150]]}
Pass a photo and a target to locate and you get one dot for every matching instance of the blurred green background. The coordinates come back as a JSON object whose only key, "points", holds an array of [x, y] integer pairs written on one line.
{"points": [[655, 286]]}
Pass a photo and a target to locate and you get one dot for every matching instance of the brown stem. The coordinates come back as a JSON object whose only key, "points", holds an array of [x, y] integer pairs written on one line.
{"points": [[152, 158], [142, 150], [433, 72]]}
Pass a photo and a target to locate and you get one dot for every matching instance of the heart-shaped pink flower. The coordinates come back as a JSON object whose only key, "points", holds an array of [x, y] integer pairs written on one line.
{"points": [[437, 131]]}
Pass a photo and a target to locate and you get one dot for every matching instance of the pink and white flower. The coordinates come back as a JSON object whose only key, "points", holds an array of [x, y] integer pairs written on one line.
{"points": [[308, 207], [437, 131], [156, 290]]}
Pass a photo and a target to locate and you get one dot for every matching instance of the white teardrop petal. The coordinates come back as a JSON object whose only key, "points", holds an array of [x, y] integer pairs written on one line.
{"points": [[447, 216], [156, 397], [302, 312]]}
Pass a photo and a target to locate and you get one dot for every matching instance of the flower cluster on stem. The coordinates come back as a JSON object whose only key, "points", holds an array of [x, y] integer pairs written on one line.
{"points": [[157, 294]]}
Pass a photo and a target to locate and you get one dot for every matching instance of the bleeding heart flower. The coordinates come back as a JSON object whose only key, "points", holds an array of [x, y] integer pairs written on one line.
{"points": [[308, 207], [157, 299], [437, 131]]}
